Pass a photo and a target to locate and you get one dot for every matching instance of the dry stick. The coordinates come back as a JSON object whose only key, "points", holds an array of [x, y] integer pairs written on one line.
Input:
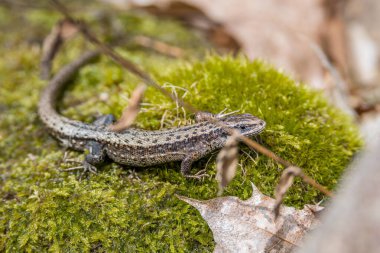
{"points": [[159, 46], [52, 43], [145, 77], [50, 47]]}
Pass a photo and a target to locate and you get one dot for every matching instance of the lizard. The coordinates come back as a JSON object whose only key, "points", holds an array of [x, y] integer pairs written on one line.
{"points": [[135, 147]]}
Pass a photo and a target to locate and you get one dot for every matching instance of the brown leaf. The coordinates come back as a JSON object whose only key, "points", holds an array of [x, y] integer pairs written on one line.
{"points": [[264, 29], [250, 225], [283, 185], [226, 163], [131, 111]]}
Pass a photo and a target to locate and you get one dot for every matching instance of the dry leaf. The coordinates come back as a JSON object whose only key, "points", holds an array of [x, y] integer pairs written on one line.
{"points": [[192, 15], [250, 225], [226, 163], [267, 29], [286, 180], [131, 111]]}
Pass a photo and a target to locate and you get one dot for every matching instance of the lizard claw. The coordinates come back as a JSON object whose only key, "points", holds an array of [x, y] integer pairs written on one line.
{"points": [[86, 167], [199, 175], [89, 168]]}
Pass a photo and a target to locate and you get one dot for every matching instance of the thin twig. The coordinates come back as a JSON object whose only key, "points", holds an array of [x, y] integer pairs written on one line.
{"points": [[159, 46]]}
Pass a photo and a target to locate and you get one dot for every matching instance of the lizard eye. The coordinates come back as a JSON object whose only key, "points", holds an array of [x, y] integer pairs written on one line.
{"points": [[243, 127]]}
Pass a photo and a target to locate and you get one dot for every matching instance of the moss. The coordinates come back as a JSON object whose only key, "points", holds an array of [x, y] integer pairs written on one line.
{"points": [[134, 209]]}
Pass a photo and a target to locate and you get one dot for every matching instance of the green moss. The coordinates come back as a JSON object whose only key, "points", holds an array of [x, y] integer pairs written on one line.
{"points": [[134, 209]]}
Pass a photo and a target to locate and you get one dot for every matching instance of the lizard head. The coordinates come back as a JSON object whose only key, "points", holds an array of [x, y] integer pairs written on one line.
{"points": [[247, 124]]}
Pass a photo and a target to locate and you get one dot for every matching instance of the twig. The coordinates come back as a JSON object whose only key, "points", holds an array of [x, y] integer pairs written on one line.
{"points": [[62, 31], [159, 46]]}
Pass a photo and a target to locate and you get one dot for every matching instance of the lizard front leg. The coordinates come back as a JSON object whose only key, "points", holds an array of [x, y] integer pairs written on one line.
{"points": [[96, 152], [95, 157], [202, 116]]}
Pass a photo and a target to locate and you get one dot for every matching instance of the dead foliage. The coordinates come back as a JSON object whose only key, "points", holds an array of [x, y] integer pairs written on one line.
{"points": [[250, 225], [131, 111], [286, 180], [226, 163]]}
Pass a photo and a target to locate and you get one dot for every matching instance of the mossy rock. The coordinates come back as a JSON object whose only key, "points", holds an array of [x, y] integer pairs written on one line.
{"points": [[132, 209]]}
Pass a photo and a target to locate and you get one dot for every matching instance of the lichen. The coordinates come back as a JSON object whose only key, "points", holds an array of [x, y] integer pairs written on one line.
{"points": [[135, 209]]}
